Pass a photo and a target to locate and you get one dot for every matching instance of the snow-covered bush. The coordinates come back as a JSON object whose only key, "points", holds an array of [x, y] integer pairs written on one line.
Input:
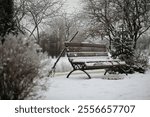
{"points": [[19, 69], [45, 64], [140, 61], [136, 61], [144, 43], [123, 48]]}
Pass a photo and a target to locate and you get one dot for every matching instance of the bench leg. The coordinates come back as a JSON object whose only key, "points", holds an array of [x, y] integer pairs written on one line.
{"points": [[105, 72], [124, 71], [86, 74], [70, 73], [80, 70]]}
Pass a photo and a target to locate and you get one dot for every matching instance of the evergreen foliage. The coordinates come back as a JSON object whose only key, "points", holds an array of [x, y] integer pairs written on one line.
{"points": [[124, 49], [123, 45]]}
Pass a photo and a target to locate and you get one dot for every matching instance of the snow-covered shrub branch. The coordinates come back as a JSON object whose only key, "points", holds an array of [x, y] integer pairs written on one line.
{"points": [[45, 64], [135, 59], [19, 69], [141, 61]]}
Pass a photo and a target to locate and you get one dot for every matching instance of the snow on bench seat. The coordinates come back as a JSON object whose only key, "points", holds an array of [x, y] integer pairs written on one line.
{"points": [[86, 59], [105, 63], [92, 59]]}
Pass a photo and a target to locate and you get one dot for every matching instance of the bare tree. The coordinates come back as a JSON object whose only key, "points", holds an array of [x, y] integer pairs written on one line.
{"points": [[58, 30], [36, 13], [136, 17], [113, 16]]}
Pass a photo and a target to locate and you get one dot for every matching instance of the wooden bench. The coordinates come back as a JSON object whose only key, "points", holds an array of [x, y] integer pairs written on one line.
{"points": [[85, 56]]}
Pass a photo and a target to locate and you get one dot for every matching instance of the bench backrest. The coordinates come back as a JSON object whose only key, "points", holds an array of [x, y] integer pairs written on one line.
{"points": [[85, 49]]}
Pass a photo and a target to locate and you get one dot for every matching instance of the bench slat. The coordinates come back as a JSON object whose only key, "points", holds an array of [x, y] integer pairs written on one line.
{"points": [[86, 54], [68, 44], [85, 49], [90, 59]]}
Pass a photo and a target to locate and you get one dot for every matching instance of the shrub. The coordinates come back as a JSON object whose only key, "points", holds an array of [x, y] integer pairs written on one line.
{"points": [[136, 60], [45, 64], [19, 69], [140, 61]]}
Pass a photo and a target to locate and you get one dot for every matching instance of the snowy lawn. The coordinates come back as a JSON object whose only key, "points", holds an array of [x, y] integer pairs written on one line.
{"points": [[78, 87]]}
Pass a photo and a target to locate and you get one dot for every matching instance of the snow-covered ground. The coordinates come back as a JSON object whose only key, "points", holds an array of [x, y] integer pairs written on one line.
{"points": [[78, 87]]}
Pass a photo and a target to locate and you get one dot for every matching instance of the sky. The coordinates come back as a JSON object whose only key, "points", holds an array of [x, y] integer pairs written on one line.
{"points": [[72, 6]]}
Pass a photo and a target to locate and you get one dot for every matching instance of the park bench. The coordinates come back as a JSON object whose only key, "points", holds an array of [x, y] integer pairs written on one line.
{"points": [[86, 56]]}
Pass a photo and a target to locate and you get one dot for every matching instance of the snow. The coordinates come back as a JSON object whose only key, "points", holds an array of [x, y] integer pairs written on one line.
{"points": [[79, 87], [63, 65], [105, 63], [86, 59]]}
